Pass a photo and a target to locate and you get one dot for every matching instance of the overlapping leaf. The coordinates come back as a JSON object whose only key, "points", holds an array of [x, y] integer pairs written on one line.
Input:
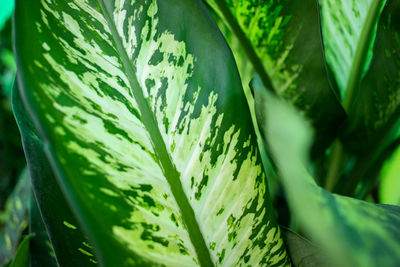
{"points": [[146, 123], [342, 24], [66, 236], [285, 36], [354, 232], [377, 107]]}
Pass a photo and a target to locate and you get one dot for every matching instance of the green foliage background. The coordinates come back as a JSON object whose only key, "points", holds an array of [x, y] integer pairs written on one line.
{"points": [[378, 184]]}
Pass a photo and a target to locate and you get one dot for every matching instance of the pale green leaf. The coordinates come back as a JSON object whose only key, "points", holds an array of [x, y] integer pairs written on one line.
{"points": [[389, 189], [353, 232], [147, 131]]}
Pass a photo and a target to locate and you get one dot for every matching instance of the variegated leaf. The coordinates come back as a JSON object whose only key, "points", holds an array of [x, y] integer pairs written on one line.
{"points": [[58, 237], [147, 128], [353, 232], [342, 24], [376, 109], [285, 36]]}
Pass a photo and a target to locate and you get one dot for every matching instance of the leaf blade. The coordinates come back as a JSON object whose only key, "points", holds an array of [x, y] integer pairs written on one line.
{"points": [[354, 232], [49, 207], [285, 35], [125, 169], [343, 24], [373, 117]]}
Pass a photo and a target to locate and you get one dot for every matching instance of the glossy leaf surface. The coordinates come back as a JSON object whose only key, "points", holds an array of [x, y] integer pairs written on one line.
{"points": [[70, 245], [354, 232], [147, 131], [285, 36]]}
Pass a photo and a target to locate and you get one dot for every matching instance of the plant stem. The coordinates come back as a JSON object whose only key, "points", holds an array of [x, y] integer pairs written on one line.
{"points": [[335, 165], [247, 46], [366, 36]]}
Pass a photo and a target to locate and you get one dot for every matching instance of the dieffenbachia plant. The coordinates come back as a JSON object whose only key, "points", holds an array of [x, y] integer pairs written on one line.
{"points": [[142, 116], [353, 232], [58, 238], [349, 27], [366, 72], [370, 86]]}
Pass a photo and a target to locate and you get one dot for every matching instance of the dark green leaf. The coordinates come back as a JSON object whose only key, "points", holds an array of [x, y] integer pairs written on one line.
{"points": [[353, 232], [302, 252], [70, 244], [41, 249], [148, 131]]}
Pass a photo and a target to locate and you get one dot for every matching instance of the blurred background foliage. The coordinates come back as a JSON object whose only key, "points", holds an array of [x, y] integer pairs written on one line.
{"points": [[12, 159]]}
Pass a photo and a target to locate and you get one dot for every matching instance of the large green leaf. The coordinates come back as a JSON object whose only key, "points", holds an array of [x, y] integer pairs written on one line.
{"points": [[145, 122], [354, 232], [70, 244], [377, 106], [246, 71], [343, 23], [285, 37]]}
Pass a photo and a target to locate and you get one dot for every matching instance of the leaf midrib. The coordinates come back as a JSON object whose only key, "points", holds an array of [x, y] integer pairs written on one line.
{"points": [[361, 53], [168, 168]]}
